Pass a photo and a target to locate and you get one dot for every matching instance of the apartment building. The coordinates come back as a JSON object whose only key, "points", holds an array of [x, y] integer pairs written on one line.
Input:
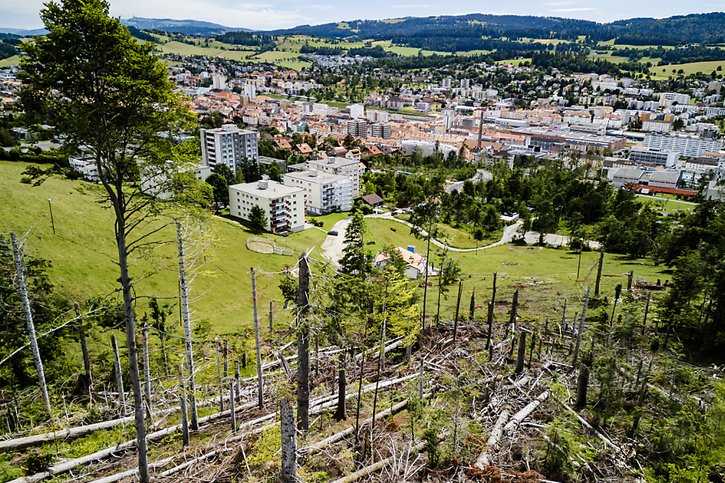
{"points": [[688, 146], [284, 206], [324, 192], [349, 168], [381, 130], [228, 145], [654, 158], [357, 128]]}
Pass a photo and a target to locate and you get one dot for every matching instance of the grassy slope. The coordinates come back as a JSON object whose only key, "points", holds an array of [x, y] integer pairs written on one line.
{"points": [[82, 251], [691, 68], [545, 276], [10, 61]]}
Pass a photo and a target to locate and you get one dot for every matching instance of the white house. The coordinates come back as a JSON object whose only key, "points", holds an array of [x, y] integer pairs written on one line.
{"points": [[284, 206], [415, 264]]}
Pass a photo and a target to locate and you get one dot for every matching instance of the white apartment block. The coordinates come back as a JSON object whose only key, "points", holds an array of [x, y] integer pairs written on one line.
{"points": [[228, 145], [284, 206], [669, 98], [356, 110], [218, 81], [688, 146], [654, 158], [349, 168], [325, 192]]}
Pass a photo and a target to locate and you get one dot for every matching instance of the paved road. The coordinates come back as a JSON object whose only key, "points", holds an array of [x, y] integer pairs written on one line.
{"points": [[333, 245]]}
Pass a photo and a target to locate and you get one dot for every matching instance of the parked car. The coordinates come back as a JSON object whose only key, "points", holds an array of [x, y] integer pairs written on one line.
{"points": [[332, 233]]}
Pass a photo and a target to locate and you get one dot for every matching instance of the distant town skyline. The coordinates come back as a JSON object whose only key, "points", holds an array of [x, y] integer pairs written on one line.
{"points": [[275, 14]]}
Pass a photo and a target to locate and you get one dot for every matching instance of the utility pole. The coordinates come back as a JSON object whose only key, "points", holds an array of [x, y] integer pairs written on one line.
{"points": [[30, 324], [52, 220]]}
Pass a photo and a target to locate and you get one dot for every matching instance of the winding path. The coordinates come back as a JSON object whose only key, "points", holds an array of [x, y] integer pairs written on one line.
{"points": [[333, 245]]}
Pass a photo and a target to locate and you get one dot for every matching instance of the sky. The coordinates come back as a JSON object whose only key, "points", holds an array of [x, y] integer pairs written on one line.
{"points": [[274, 14]]}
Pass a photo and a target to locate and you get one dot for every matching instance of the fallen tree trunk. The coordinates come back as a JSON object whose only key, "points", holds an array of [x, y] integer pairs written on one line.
{"points": [[133, 472], [320, 445], [105, 453], [369, 470], [482, 461], [70, 433], [524, 413]]}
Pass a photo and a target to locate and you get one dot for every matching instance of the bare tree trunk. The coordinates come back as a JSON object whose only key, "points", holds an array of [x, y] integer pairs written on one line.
{"points": [[490, 324], [186, 320], [581, 387], [226, 358], [232, 408], [359, 397], [146, 371], [86, 357], [116, 194], [563, 317], [289, 443], [599, 272], [340, 412], [260, 382], [119, 376], [472, 304], [440, 291], [514, 311], [425, 286], [30, 324], [219, 376], [303, 346], [381, 356], [646, 313], [491, 308], [237, 376], [580, 330], [271, 316], [458, 306], [182, 401], [531, 350], [421, 381], [521, 356]]}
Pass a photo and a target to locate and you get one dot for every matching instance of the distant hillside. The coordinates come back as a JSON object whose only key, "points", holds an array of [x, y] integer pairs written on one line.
{"points": [[469, 32], [22, 32], [188, 27]]}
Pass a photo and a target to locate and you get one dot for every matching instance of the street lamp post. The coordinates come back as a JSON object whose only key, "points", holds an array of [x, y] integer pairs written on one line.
{"points": [[579, 265], [52, 220]]}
